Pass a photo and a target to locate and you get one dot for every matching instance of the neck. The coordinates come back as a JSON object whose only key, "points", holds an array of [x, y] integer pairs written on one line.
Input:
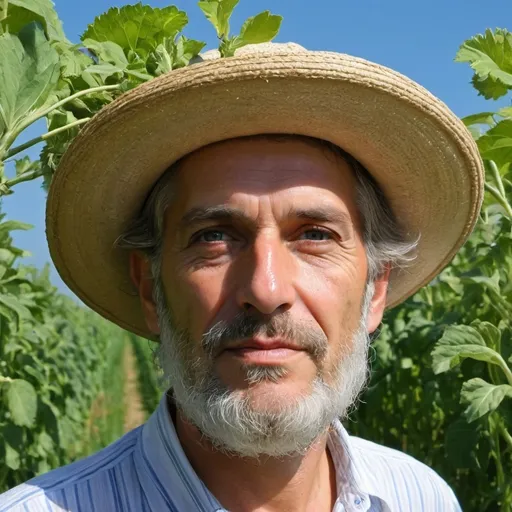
{"points": [[302, 483]]}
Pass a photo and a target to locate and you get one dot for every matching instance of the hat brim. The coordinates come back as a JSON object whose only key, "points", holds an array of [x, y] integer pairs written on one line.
{"points": [[420, 153]]}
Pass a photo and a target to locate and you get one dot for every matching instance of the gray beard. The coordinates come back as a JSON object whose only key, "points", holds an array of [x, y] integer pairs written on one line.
{"points": [[225, 416]]}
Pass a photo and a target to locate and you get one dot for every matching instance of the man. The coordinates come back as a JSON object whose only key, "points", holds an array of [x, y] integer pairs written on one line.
{"points": [[257, 214]]}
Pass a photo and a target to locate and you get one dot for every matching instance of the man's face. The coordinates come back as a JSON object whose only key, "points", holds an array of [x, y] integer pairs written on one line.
{"points": [[263, 244]]}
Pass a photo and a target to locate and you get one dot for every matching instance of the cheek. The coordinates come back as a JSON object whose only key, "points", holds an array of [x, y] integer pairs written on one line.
{"points": [[194, 298], [333, 297]]}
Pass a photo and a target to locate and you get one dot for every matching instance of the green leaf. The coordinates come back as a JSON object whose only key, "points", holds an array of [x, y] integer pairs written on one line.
{"points": [[55, 147], [172, 55], [458, 343], [490, 333], [496, 143], [482, 397], [22, 12], [24, 165], [29, 71], [505, 112], [12, 457], [13, 225], [139, 28], [492, 283], [73, 61], [186, 50], [219, 13], [107, 52], [22, 402], [261, 28], [13, 303], [485, 118], [13, 438], [490, 56], [104, 69], [45, 442]]}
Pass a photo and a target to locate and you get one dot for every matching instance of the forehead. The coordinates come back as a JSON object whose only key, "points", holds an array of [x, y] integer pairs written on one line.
{"points": [[260, 166]]}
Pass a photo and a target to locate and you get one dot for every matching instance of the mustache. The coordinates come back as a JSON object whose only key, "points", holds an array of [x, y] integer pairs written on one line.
{"points": [[246, 325]]}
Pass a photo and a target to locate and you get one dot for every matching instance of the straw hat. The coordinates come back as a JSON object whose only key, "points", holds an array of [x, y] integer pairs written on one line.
{"points": [[419, 152]]}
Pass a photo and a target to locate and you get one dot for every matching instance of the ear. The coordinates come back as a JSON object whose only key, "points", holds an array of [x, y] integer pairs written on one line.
{"points": [[378, 302], [140, 273]]}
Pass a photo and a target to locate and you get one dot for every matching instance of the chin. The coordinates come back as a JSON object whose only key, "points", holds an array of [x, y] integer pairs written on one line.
{"points": [[273, 396]]}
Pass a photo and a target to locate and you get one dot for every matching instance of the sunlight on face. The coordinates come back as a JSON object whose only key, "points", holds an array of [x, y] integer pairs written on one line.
{"points": [[262, 284]]}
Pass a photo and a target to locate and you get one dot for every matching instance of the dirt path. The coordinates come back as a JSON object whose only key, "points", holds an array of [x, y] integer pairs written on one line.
{"points": [[134, 413]]}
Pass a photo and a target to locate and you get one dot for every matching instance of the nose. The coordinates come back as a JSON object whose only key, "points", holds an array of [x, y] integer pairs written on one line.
{"points": [[266, 279]]}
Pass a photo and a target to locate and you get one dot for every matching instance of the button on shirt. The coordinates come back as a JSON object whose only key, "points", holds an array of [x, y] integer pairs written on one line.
{"points": [[147, 471]]}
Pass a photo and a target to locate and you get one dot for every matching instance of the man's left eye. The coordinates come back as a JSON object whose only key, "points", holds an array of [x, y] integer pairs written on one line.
{"points": [[318, 234]]}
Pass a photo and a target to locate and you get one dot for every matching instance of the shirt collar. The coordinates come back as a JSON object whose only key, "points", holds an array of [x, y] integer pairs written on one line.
{"points": [[166, 474], [352, 483]]}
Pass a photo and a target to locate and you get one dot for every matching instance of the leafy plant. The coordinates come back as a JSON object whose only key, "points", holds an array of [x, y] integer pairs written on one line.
{"points": [[257, 29], [441, 387], [55, 359], [43, 75]]}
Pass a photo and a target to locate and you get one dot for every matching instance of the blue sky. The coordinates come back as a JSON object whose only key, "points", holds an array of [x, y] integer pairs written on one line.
{"points": [[417, 38]]}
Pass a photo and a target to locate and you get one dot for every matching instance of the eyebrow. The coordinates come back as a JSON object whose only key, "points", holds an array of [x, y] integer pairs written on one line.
{"points": [[224, 213]]}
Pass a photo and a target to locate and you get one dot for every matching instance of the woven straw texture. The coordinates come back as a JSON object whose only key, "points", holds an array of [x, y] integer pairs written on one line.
{"points": [[419, 152]]}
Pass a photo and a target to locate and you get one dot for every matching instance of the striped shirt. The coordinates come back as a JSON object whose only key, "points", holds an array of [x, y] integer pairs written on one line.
{"points": [[147, 471]]}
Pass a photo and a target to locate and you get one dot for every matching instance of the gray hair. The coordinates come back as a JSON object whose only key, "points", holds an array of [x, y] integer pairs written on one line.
{"points": [[385, 240]]}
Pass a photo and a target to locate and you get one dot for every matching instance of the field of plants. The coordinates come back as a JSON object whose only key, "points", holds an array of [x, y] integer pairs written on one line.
{"points": [[441, 386]]}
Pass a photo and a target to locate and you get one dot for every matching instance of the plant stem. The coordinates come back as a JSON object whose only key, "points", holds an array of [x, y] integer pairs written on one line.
{"points": [[502, 200], [491, 165], [60, 103], [495, 436], [5, 379], [45, 136], [506, 435], [506, 369], [26, 176]]}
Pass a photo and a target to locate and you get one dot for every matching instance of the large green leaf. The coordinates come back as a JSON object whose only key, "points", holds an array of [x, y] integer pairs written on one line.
{"points": [[137, 28], [107, 52], [458, 343], [478, 123], [218, 13], [482, 397], [23, 12], [261, 28], [490, 333], [29, 72], [73, 61], [22, 402], [490, 56], [485, 118], [496, 143]]}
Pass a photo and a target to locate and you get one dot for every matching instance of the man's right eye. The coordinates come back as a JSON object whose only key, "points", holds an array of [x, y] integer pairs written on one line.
{"points": [[211, 235]]}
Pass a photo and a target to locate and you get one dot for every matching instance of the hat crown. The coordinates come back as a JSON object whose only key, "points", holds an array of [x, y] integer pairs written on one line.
{"points": [[254, 49]]}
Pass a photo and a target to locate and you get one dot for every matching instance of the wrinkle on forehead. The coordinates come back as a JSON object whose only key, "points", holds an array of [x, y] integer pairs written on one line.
{"points": [[287, 172]]}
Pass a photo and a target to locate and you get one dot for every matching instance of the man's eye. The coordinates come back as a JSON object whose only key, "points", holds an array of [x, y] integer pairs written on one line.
{"points": [[317, 235], [213, 235]]}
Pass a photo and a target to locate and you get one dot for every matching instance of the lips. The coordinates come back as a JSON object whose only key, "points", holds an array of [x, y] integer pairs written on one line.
{"points": [[265, 345]]}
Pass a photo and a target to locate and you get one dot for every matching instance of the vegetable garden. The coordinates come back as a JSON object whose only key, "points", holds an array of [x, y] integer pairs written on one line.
{"points": [[441, 386]]}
